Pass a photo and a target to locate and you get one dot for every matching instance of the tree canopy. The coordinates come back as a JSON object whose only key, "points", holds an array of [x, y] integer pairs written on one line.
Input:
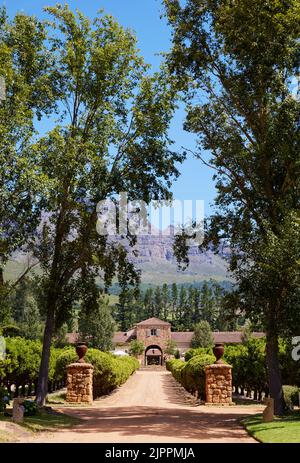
{"points": [[236, 63]]}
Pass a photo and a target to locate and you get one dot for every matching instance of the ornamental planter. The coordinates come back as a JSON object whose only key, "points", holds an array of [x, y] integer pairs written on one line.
{"points": [[218, 351], [81, 350]]}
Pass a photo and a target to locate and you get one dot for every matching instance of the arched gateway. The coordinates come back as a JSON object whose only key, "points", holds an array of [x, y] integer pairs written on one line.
{"points": [[155, 335], [153, 355]]}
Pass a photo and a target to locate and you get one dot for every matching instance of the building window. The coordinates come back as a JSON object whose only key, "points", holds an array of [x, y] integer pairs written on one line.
{"points": [[154, 332]]}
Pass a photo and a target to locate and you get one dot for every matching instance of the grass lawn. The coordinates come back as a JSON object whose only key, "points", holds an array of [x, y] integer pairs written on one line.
{"points": [[44, 421], [281, 430]]}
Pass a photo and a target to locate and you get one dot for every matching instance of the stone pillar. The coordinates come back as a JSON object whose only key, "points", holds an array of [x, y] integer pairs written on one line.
{"points": [[18, 410], [268, 413], [80, 383], [218, 384]]}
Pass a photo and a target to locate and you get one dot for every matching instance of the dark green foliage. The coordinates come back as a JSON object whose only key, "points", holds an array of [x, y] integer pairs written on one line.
{"points": [[177, 354], [4, 398], [182, 306], [96, 325], [30, 408], [10, 331]]}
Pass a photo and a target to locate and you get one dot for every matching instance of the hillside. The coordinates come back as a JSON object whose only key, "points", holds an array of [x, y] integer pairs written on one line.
{"points": [[155, 258]]}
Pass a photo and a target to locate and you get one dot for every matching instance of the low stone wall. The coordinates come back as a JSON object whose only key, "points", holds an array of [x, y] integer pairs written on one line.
{"points": [[80, 383], [218, 384]]}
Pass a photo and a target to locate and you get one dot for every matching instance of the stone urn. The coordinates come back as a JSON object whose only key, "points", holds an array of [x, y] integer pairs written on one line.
{"points": [[218, 351], [81, 349]]}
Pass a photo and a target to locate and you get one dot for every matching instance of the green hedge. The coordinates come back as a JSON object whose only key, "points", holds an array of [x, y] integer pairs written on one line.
{"points": [[21, 366], [249, 372], [110, 371], [197, 351], [191, 374], [291, 395]]}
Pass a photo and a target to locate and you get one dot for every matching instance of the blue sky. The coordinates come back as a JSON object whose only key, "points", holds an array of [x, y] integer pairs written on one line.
{"points": [[153, 34]]}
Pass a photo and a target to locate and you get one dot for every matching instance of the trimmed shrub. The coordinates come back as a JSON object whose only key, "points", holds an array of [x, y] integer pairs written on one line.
{"points": [[191, 374], [175, 366], [197, 351], [30, 408], [110, 371], [21, 367], [291, 396]]}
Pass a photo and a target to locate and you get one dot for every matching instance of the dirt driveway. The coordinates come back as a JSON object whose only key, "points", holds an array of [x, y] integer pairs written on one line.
{"points": [[152, 407]]}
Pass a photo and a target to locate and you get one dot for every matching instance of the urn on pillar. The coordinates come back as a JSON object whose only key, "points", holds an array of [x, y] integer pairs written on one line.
{"points": [[218, 351], [80, 378], [81, 349]]}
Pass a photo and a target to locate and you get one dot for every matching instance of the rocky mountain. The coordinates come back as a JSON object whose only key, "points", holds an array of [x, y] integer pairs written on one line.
{"points": [[154, 255]]}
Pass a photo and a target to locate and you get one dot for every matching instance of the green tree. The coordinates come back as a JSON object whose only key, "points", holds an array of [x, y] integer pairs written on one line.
{"points": [[157, 302], [241, 59], [31, 324], [96, 325], [181, 308], [171, 347], [165, 300], [209, 310], [136, 348], [26, 67], [149, 303], [202, 336], [174, 300], [112, 137]]}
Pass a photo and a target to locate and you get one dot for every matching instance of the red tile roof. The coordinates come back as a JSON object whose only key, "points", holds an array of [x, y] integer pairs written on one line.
{"points": [[123, 337], [153, 321], [182, 338]]}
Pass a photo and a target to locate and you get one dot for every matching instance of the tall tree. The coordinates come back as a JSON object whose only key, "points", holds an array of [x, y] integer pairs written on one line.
{"points": [[202, 336], [96, 325], [165, 301], [157, 302], [111, 137], [239, 60], [26, 69], [174, 300], [149, 303]]}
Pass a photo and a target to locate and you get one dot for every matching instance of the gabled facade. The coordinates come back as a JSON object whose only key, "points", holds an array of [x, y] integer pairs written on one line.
{"points": [[155, 335]]}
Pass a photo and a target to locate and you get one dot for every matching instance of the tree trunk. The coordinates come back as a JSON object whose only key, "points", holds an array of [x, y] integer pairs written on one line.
{"points": [[274, 374], [16, 393], [1, 278], [42, 386]]}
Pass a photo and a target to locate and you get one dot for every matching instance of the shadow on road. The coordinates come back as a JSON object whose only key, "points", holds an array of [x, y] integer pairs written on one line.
{"points": [[160, 423]]}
